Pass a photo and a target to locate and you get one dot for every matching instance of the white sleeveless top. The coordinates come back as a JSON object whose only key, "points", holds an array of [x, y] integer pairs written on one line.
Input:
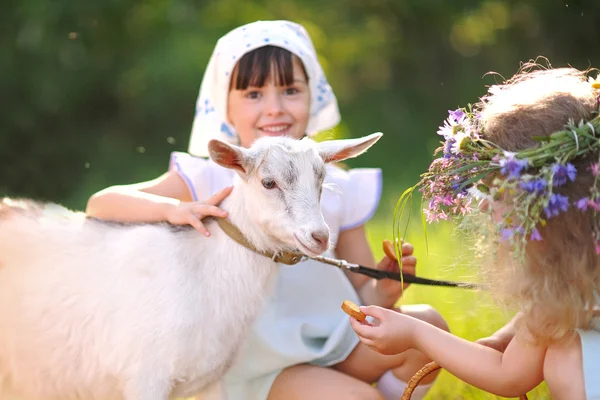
{"points": [[301, 321]]}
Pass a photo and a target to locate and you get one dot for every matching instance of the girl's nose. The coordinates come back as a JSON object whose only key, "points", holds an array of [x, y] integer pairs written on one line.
{"points": [[273, 104]]}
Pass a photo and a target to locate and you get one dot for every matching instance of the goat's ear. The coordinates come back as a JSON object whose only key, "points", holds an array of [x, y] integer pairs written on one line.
{"points": [[338, 150], [228, 155]]}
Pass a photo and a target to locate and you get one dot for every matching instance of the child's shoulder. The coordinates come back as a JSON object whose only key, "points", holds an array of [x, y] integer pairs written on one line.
{"points": [[202, 176], [354, 176], [182, 161], [355, 193], [180, 158]]}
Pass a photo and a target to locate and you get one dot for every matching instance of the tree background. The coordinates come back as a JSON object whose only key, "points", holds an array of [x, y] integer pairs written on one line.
{"points": [[99, 93]]}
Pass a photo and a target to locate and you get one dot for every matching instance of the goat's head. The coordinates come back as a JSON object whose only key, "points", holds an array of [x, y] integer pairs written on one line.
{"points": [[283, 181]]}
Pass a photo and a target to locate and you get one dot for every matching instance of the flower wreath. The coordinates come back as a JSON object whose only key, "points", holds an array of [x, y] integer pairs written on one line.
{"points": [[473, 168]]}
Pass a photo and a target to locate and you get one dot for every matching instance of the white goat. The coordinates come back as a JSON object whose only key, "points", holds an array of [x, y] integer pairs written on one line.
{"points": [[100, 310]]}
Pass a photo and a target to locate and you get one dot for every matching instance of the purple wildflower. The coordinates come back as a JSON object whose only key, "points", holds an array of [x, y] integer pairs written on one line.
{"points": [[557, 204], [562, 173], [447, 200], [536, 186], [456, 187], [506, 233], [433, 216], [582, 203], [535, 235], [595, 204], [595, 170], [448, 148], [457, 115], [512, 166]]}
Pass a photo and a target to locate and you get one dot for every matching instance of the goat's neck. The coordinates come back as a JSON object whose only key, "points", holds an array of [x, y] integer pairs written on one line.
{"points": [[241, 217]]}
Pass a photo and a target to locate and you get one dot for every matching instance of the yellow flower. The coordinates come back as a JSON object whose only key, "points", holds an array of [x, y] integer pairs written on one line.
{"points": [[543, 222]]}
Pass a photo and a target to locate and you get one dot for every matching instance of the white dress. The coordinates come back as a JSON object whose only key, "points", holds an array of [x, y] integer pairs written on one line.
{"points": [[301, 321]]}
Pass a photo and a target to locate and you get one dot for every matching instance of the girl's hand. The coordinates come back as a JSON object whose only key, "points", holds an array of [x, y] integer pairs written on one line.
{"points": [[500, 339], [499, 343], [387, 290], [393, 333], [192, 213]]}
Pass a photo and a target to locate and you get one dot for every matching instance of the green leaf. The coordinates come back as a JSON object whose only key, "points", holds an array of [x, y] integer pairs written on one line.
{"points": [[467, 167], [424, 225], [473, 179]]}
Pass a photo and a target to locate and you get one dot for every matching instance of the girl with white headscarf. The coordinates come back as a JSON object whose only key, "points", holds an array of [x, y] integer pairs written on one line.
{"points": [[264, 78]]}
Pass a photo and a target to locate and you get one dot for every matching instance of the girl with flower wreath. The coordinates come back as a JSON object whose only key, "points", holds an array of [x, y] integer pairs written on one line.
{"points": [[528, 157], [264, 78]]}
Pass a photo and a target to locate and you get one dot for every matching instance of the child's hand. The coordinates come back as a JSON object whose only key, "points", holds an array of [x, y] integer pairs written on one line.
{"points": [[499, 343], [392, 334], [500, 339], [388, 290], [191, 213]]}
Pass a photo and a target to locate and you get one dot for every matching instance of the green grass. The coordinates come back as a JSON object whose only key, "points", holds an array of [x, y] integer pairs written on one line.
{"points": [[470, 314]]}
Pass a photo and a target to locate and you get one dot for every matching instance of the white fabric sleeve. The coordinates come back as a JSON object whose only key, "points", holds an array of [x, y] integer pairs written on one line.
{"points": [[362, 194], [192, 171]]}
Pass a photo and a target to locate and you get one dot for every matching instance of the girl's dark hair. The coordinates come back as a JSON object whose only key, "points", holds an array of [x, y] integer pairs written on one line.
{"points": [[256, 66]]}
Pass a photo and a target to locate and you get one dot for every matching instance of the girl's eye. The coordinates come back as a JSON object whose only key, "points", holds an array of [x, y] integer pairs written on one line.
{"points": [[253, 94], [269, 183], [291, 91]]}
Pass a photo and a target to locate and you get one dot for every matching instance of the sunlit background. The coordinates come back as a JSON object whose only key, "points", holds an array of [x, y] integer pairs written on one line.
{"points": [[99, 93]]}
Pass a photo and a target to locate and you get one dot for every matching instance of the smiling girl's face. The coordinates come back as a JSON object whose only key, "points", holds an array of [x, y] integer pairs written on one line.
{"points": [[269, 96]]}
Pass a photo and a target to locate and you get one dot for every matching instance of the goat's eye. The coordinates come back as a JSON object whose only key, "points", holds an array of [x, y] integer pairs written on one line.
{"points": [[269, 183]]}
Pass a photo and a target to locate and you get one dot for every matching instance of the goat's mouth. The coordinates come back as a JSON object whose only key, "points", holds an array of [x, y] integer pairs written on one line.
{"points": [[314, 250]]}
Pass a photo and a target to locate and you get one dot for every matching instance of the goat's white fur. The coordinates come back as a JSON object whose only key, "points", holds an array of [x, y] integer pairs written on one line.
{"points": [[100, 310]]}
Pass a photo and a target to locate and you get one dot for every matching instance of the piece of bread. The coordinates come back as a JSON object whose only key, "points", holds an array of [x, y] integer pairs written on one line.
{"points": [[389, 249], [352, 310]]}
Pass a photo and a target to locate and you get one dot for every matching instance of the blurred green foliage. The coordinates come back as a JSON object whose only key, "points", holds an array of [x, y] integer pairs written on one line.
{"points": [[99, 93]]}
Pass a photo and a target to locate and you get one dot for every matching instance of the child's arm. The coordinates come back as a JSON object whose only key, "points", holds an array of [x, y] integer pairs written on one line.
{"points": [[511, 374], [166, 198]]}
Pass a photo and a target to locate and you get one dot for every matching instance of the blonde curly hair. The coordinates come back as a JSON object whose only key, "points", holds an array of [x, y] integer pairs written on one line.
{"points": [[557, 283]]}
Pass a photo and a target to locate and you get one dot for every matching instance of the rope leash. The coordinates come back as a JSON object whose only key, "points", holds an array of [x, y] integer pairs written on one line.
{"points": [[293, 257], [408, 278]]}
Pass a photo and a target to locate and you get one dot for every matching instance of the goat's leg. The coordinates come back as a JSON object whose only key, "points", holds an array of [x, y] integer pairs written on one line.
{"points": [[146, 389], [214, 391]]}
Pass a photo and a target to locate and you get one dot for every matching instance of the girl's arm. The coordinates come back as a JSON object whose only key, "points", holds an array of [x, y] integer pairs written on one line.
{"points": [[166, 198], [511, 374], [142, 202]]}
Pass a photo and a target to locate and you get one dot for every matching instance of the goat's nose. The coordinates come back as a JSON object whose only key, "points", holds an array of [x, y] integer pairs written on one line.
{"points": [[321, 237]]}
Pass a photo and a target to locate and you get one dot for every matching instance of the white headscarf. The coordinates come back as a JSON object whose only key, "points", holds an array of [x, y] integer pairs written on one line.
{"points": [[211, 107]]}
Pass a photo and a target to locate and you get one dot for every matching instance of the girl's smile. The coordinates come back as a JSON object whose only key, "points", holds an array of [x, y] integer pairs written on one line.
{"points": [[275, 129]]}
